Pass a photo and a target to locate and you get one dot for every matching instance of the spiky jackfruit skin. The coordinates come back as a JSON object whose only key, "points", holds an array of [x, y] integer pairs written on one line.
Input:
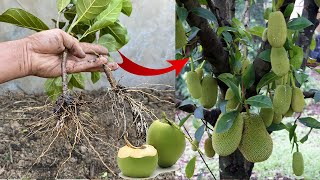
{"points": [[279, 61], [256, 144], [282, 99], [209, 87], [297, 102], [208, 149], [277, 118], [289, 113], [200, 73], [227, 142], [265, 35], [277, 29], [296, 55], [193, 84], [181, 38], [267, 116], [297, 163], [229, 94], [196, 142]]}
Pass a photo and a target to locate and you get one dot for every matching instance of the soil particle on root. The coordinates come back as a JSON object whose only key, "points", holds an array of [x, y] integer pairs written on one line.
{"points": [[18, 151]]}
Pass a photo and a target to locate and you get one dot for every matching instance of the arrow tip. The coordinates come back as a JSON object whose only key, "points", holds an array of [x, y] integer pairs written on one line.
{"points": [[178, 64]]}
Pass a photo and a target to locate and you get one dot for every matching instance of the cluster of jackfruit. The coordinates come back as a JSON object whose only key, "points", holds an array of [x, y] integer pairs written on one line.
{"points": [[204, 88], [249, 134]]}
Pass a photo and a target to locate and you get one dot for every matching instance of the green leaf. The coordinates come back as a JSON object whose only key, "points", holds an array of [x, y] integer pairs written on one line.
{"points": [[198, 113], [276, 127], [53, 88], [190, 167], [292, 131], [90, 9], [95, 77], [228, 79], [265, 55], [22, 18], [107, 17], [301, 76], [183, 120], [182, 13], [80, 29], [199, 132], [226, 28], [61, 4], [266, 80], [194, 31], [126, 7], [299, 23], [109, 42], [257, 30], [260, 101], [226, 120], [203, 2], [288, 10], [77, 80], [119, 32], [248, 76], [204, 13], [310, 122]]}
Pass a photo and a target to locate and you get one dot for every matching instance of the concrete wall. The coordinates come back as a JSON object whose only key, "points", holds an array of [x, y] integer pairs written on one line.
{"points": [[151, 31]]}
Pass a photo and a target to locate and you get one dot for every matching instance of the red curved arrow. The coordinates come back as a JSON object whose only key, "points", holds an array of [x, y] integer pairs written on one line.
{"points": [[137, 69]]}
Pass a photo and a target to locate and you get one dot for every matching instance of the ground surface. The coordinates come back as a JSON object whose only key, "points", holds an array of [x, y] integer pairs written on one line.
{"points": [[18, 151]]}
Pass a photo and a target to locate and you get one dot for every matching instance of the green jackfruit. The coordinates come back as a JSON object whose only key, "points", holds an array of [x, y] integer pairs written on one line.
{"points": [[256, 143], [193, 84], [232, 104], [296, 55], [297, 163], [277, 29], [282, 99], [199, 72], [181, 38], [289, 113], [277, 118], [196, 142], [317, 2], [267, 116], [208, 149], [279, 61], [265, 35], [297, 102], [209, 93], [229, 94], [227, 142]]}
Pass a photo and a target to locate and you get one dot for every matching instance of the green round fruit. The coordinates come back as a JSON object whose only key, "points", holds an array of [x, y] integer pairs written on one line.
{"points": [[297, 102], [282, 99], [169, 142], [277, 29], [279, 61], [137, 162], [226, 143], [208, 149], [267, 115], [199, 71], [256, 143], [194, 84], [289, 113], [277, 118], [297, 163], [209, 93], [196, 142]]}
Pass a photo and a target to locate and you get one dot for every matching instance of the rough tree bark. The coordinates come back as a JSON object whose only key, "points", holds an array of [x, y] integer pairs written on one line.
{"points": [[234, 166]]}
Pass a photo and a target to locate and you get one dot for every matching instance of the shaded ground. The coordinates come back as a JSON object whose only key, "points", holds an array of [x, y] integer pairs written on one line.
{"points": [[18, 152]]}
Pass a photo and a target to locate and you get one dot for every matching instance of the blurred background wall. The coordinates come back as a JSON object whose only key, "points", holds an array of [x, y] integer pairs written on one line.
{"points": [[151, 28]]}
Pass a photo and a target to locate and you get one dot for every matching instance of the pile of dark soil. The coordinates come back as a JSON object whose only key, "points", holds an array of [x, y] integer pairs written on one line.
{"points": [[19, 149]]}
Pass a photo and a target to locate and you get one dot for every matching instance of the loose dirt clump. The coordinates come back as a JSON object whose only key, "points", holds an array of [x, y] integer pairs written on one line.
{"points": [[30, 146]]}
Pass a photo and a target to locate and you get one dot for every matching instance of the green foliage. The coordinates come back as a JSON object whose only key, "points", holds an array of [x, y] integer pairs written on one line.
{"points": [[85, 17], [190, 167]]}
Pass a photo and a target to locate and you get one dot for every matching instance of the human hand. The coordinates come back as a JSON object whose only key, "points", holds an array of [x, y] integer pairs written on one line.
{"points": [[43, 54]]}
